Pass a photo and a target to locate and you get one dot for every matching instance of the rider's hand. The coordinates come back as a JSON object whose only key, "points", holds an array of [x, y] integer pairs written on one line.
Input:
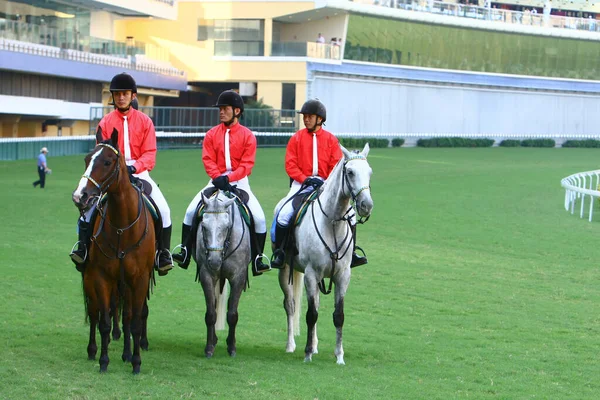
{"points": [[131, 169], [221, 182], [313, 181]]}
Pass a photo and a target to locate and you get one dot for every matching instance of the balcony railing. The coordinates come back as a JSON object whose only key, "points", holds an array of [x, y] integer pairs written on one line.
{"points": [[305, 49], [201, 119], [239, 48], [490, 14]]}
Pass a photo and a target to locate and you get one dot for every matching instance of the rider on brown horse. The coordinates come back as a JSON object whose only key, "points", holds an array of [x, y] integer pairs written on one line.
{"points": [[137, 141]]}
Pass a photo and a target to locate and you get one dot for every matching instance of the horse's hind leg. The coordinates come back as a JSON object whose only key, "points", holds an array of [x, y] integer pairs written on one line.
{"points": [[138, 298], [312, 314], [288, 305], [338, 315], [114, 309], [126, 315], [144, 338]]}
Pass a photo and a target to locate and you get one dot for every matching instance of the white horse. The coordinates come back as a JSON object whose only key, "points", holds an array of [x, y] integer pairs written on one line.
{"points": [[325, 243], [222, 254]]}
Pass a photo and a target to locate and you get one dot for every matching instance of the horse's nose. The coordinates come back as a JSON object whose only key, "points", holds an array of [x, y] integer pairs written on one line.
{"points": [[78, 198], [365, 208]]}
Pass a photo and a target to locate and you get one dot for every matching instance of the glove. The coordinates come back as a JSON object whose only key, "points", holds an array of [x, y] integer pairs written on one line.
{"points": [[221, 182], [131, 169], [313, 181]]}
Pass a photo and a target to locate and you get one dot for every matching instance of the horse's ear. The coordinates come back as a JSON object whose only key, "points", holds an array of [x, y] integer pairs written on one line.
{"points": [[99, 135], [204, 199], [114, 138], [347, 154], [228, 202], [365, 150]]}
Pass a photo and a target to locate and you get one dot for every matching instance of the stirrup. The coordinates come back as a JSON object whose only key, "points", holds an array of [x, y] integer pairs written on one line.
{"points": [[260, 257], [166, 268], [75, 257], [183, 253]]}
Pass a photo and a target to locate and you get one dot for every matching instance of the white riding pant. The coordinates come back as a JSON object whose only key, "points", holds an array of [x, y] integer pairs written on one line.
{"points": [[260, 224], [284, 211], [156, 195]]}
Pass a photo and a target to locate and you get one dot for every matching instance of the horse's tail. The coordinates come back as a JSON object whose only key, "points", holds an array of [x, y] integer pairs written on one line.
{"points": [[222, 296], [298, 290]]}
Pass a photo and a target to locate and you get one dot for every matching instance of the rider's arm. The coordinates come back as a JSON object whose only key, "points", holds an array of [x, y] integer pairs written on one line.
{"points": [[147, 158], [292, 161], [248, 156], [209, 155]]}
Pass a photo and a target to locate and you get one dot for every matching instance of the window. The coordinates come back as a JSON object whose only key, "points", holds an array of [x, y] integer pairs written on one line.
{"points": [[232, 29], [288, 96]]}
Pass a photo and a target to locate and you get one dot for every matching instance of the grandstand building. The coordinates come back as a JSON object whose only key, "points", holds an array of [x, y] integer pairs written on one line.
{"points": [[57, 58], [381, 66]]}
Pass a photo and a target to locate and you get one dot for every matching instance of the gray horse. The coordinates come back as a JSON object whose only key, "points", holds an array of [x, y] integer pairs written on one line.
{"points": [[325, 244], [222, 254]]}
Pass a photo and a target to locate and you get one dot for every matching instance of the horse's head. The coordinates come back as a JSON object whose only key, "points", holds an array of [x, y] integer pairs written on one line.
{"points": [[101, 169], [357, 180], [216, 225]]}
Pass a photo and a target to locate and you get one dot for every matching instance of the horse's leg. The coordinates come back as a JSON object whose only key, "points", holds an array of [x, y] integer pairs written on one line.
{"points": [[126, 315], [104, 291], [93, 315], [144, 338], [288, 305], [210, 318], [139, 291], [312, 314], [341, 285], [232, 311], [114, 307]]}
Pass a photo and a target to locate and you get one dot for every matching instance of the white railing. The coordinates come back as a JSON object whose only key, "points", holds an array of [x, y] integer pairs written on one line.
{"points": [[577, 187]]}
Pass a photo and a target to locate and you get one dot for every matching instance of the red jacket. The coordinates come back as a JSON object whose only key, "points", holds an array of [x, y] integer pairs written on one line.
{"points": [[142, 138], [299, 154], [242, 151]]}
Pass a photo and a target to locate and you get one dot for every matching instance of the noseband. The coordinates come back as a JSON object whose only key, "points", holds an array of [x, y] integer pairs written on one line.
{"points": [[111, 178]]}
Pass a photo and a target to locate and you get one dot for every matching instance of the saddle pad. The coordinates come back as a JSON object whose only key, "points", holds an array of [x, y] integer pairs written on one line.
{"points": [[299, 214]]}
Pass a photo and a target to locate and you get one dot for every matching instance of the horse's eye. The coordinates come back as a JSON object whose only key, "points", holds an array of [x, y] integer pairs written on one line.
{"points": [[350, 172], [107, 163]]}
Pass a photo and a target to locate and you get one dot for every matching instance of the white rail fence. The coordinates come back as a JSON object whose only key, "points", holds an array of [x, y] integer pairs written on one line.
{"points": [[579, 186]]}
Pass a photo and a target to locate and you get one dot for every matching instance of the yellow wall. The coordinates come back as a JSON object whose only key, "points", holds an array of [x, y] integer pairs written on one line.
{"points": [[196, 58]]}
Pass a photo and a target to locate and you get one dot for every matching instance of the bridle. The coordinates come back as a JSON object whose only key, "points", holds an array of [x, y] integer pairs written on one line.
{"points": [[354, 194], [114, 174], [112, 178], [223, 249]]}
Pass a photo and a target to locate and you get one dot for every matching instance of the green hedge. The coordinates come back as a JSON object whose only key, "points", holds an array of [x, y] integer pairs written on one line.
{"points": [[359, 143], [538, 143], [397, 142], [455, 142], [589, 143], [510, 143]]}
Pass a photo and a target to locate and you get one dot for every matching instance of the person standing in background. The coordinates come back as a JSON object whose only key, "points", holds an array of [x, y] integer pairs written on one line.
{"points": [[42, 168]]}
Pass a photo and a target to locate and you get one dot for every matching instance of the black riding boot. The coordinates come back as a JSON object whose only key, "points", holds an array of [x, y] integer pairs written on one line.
{"points": [[257, 247], [356, 259], [184, 256], [281, 233], [165, 263], [79, 255]]}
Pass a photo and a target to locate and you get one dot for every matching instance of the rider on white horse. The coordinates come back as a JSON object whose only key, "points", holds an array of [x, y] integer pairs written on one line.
{"points": [[137, 142], [311, 155], [228, 154]]}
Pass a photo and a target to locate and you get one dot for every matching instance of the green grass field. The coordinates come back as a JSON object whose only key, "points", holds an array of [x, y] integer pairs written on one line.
{"points": [[480, 285]]}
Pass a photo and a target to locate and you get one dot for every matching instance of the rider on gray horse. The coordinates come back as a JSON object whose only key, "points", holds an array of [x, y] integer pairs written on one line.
{"points": [[137, 141], [228, 154], [311, 155]]}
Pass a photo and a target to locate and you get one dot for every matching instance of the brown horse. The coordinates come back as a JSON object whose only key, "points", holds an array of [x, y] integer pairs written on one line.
{"points": [[122, 253]]}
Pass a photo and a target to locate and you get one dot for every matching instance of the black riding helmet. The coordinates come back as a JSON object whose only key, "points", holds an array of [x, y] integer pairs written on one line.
{"points": [[314, 107], [122, 82], [230, 98]]}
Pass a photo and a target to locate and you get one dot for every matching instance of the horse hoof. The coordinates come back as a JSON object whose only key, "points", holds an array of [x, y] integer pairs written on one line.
{"points": [[136, 370], [308, 358], [232, 353], [290, 349], [126, 357], [144, 347], [116, 336], [340, 362], [208, 355], [92, 358], [103, 370]]}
